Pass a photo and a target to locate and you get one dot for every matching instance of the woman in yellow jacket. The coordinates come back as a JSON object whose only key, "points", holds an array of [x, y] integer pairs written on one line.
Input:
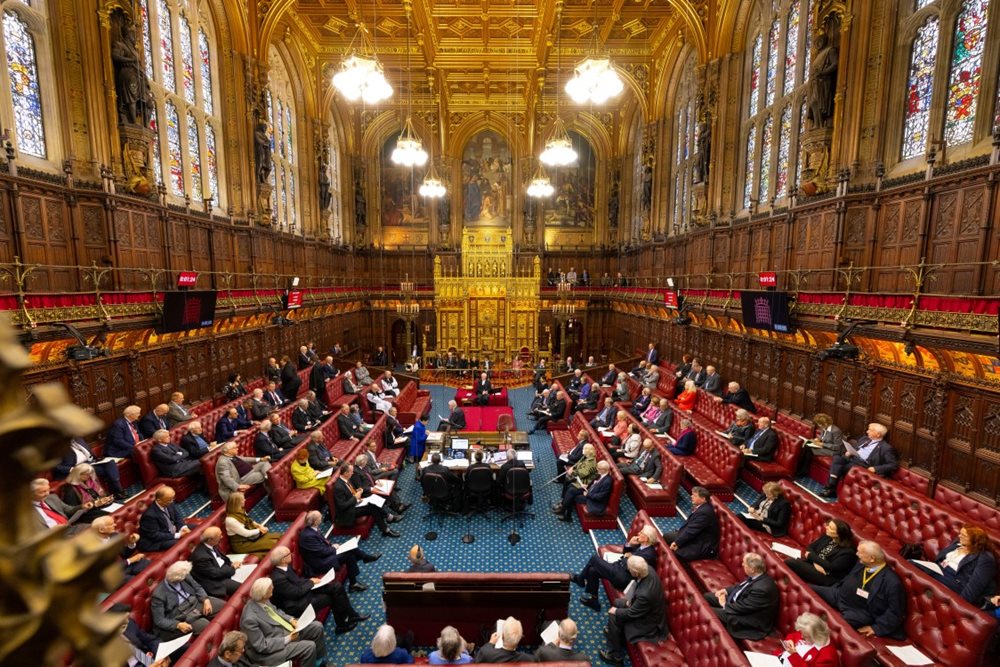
{"points": [[304, 475]]}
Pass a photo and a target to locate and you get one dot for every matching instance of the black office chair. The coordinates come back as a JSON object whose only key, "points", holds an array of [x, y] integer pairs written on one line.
{"points": [[438, 494], [516, 490], [479, 487]]}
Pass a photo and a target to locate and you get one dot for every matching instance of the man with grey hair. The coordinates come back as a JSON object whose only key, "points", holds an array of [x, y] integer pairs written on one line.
{"points": [[51, 511], [871, 597], [293, 593], [265, 446], [170, 459], [211, 568], [361, 375], [238, 473], [562, 649], [231, 649], [273, 637], [302, 421], [748, 609], [637, 617], [180, 605], [123, 434], [642, 544], [132, 560], [511, 635], [873, 452], [319, 555]]}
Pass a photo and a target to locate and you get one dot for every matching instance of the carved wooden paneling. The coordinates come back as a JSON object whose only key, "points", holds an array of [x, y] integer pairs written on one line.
{"points": [[200, 251], [95, 233], [958, 225], [813, 246], [897, 242], [46, 239]]}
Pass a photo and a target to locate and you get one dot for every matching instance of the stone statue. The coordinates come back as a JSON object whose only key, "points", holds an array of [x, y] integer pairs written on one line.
{"points": [[647, 186], [325, 196], [704, 151], [822, 82], [613, 198], [360, 207], [444, 211], [131, 85], [262, 152]]}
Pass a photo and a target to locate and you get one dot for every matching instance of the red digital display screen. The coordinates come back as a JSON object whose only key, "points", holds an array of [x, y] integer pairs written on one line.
{"points": [[187, 278], [293, 299], [768, 279], [670, 299]]}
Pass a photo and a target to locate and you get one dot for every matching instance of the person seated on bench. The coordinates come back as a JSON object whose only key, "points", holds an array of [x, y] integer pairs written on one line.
{"points": [[647, 465], [455, 420], [273, 636], [161, 524], [642, 544], [809, 645], [873, 452], [621, 392], [377, 399], [265, 446], [562, 649], [346, 498], [346, 428], [664, 420], [451, 649], [595, 495], [170, 460], [698, 537], [772, 513], [554, 411], [829, 557], [304, 475], [631, 444], [748, 609], [737, 396], [570, 458], [639, 617], [363, 480], [418, 560], [246, 536], [686, 399], [482, 390], [606, 416], [968, 566], [763, 444], [211, 568], [589, 395], [871, 598], [293, 593], [319, 555], [179, 605], [511, 635], [741, 429], [644, 403], [686, 442]]}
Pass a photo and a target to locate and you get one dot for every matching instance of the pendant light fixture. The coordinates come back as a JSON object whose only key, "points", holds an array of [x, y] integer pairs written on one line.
{"points": [[409, 151], [432, 187], [595, 80], [559, 151], [361, 76], [540, 185]]}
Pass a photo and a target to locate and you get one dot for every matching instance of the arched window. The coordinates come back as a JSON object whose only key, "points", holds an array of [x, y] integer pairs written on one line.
{"points": [[178, 43], [941, 100], [26, 80], [685, 141], [281, 127], [777, 70]]}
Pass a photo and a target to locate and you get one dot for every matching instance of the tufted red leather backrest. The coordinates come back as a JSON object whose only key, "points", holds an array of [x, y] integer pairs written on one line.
{"points": [[716, 453], [789, 451], [334, 389], [290, 539], [807, 523], [970, 510], [407, 395], [148, 471], [127, 518]]}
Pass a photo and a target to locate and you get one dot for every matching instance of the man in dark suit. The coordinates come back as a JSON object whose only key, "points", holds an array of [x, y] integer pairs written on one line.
{"points": [[572, 456], [346, 498], [873, 452], [652, 356], [80, 452], [320, 374], [642, 544], [123, 435], [606, 416], [170, 460], [380, 358], [348, 385], [154, 420], [713, 381], [454, 483], [284, 437], [642, 402], [455, 420], [763, 444], [373, 467], [301, 419], [595, 496], [273, 396], [739, 397], [259, 407], [177, 413], [231, 650], [194, 442], [664, 420], [748, 609], [881, 610], [362, 479], [395, 434], [647, 465], [345, 426], [317, 411], [320, 457], [211, 568], [697, 375], [228, 426], [272, 371], [161, 525], [637, 617], [131, 559], [290, 380], [608, 379], [575, 384], [511, 635], [562, 649], [264, 445], [305, 359], [319, 555], [482, 390], [555, 411], [698, 537], [293, 593]]}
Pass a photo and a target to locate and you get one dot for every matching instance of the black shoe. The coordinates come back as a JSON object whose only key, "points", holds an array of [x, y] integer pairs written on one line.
{"points": [[343, 629], [591, 601], [828, 492], [358, 588], [565, 518], [557, 509], [393, 518], [371, 558], [577, 579], [404, 507], [390, 533], [360, 618], [611, 658]]}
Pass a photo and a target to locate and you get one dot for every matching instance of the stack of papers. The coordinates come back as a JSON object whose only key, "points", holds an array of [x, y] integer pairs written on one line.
{"points": [[113, 507], [612, 557], [791, 552], [377, 501], [933, 567], [384, 486], [307, 617], [762, 659], [243, 572], [236, 559], [910, 655]]}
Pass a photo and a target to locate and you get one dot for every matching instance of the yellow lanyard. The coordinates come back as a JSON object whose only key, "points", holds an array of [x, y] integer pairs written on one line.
{"points": [[865, 577]]}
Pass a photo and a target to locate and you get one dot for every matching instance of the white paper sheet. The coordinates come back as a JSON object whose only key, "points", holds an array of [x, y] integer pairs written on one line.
{"points": [[166, 648], [762, 659], [933, 567], [910, 655], [323, 474], [564, 458], [307, 617], [107, 459], [236, 559], [408, 429], [499, 643], [791, 552], [629, 591], [655, 486], [377, 501], [349, 545], [330, 575], [612, 557], [722, 434], [455, 463], [243, 572], [112, 507], [551, 634], [849, 449], [384, 486], [524, 455]]}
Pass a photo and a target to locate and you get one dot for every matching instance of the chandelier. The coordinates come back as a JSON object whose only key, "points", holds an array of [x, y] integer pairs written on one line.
{"points": [[540, 185], [559, 150], [409, 152], [432, 187], [361, 78], [595, 81]]}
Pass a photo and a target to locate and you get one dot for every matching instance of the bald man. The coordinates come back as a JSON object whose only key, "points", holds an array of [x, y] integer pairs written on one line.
{"points": [[211, 568], [562, 650]]}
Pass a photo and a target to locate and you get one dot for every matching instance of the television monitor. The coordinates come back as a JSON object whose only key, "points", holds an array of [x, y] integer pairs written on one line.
{"points": [[293, 299], [767, 310], [183, 311], [459, 443], [671, 299]]}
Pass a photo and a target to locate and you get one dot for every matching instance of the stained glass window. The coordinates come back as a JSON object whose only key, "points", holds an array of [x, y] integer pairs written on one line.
{"points": [[289, 133], [772, 62], [919, 88], [807, 51], [291, 194], [281, 119], [166, 47], [147, 42], [966, 72], [205, 55], [923, 3], [187, 60], [25, 90], [279, 132], [157, 162], [755, 75], [784, 146], [791, 48], [764, 182], [194, 154], [749, 168], [211, 163], [174, 159]]}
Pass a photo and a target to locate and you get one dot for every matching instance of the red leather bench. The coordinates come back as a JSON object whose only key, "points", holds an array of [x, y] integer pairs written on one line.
{"points": [[921, 485], [127, 518], [414, 403], [287, 500], [511, 664], [969, 510], [465, 397], [714, 464], [335, 396], [786, 461], [609, 519], [657, 502], [796, 596], [183, 486]]}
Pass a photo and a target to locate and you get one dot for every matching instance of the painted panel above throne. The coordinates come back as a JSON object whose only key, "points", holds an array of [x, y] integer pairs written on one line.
{"points": [[487, 196]]}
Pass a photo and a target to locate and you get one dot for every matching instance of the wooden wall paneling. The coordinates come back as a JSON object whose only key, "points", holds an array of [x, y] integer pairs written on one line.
{"points": [[761, 257], [701, 261], [957, 461], [720, 258], [779, 238], [262, 244], [897, 242], [46, 240], [243, 261], [201, 248], [7, 249], [855, 245], [956, 226], [740, 257], [93, 234]]}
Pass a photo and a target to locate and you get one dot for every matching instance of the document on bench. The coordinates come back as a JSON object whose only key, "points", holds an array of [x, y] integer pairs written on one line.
{"points": [[107, 459], [377, 501], [236, 559], [910, 655], [243, 572], [166, 648], [551, 634], [933, 567], [112, 507], [849, 449], [323, 474], [348, 545], [762, 659], [383, 487], [612, 557], [307, 617], [791, 552]]}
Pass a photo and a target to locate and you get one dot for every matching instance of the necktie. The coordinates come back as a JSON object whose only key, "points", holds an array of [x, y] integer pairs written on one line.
{"points": [[277, 618], [349, 485], [54, 515], [182, 594], [740, 589], [753, 440], [170, 521], [274, 397], [135, 433], [641, 461]]}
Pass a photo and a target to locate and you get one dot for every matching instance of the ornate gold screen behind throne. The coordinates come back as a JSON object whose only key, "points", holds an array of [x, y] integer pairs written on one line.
{"points": [[485, 306]]}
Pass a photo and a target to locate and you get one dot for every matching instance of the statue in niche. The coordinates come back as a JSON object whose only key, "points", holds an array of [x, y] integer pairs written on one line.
{"points": [[360, 219], [262, 152], [704, 150], [647, 185], [325, 195], [131, 85], [613, 201], [822, 82]]}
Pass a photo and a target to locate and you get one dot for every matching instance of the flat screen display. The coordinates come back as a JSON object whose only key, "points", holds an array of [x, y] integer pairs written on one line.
{"points": [[767, 310], [183, 311]]}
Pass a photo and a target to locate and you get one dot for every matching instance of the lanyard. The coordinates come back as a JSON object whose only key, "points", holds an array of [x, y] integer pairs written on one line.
{"points": [[865, 577]]}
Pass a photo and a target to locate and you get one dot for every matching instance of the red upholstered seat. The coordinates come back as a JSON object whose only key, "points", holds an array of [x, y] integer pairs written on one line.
{"points": [[785, 463], [183, 486]]}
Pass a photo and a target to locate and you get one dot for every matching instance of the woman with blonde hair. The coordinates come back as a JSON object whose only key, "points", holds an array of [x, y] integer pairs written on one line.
{"points": [[809, 645], [686, 399], [772, 513], [82, 487], [451, 649], [246, 536]]}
